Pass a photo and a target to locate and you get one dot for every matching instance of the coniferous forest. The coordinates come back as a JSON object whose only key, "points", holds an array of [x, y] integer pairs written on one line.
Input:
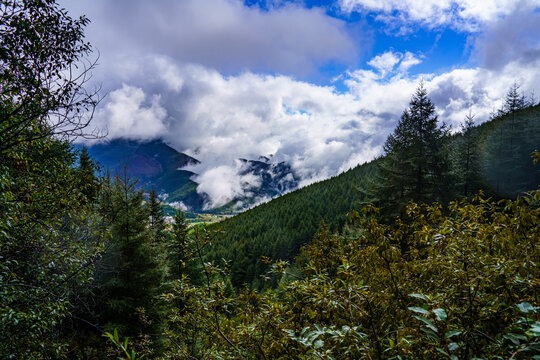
{"points": [[430, 251]]}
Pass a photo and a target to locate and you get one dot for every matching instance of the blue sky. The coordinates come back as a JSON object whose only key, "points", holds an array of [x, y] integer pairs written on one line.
{"points": [[318, 84], [441, 48]]}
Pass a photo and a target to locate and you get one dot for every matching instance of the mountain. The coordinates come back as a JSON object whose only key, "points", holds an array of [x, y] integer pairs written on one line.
{"points": [[153, 164], [276, 178]]}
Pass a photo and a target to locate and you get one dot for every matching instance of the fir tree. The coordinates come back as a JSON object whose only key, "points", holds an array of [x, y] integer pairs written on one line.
{"points": [[468, 166], [183, 259], [132, 304], [156, 218], [414, 166], [89, 182], [513, 101]]}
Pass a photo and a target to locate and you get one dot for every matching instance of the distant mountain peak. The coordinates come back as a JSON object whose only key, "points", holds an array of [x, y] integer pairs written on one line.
{"points": [[155, 164]]}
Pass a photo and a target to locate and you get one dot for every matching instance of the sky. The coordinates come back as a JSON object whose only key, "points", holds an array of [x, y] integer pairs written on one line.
{"points": [[318, 84]]}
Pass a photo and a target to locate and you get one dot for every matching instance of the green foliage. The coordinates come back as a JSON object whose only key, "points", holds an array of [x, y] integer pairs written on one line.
{"points": [[42, 73], [200, 305], [132, 285], [49, 241], [122, 346], [467, 287], [50, 234]]}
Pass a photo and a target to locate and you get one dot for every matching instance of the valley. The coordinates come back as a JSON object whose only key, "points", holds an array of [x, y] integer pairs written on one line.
{"points": [[260, 180]]}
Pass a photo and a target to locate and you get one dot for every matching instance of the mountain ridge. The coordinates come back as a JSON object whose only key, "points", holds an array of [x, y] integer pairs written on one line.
{"points": [[157, 165]]}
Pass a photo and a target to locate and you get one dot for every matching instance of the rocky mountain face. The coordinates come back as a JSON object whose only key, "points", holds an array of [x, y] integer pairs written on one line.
{"points": [[276, 178]]}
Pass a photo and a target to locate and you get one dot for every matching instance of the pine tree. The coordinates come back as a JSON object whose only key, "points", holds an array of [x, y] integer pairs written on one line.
{"points": [[183, 253], [468, 166], [131, 292], [414, 166], [513, 101], [89, 182], [156, 218]]}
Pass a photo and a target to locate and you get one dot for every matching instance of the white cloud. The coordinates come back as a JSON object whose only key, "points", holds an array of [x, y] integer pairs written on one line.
{"points": [[224, 183], [385, 62], [222, 34], [409, 60], [179, 205], [454, 93], [218, 118], [315, 129], [467, 15], [130, 114]]}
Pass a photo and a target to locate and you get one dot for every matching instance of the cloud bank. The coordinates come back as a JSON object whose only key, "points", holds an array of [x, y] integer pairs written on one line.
{"points": [[316, 129], [221, 34], [223, 84], [463, 15]]}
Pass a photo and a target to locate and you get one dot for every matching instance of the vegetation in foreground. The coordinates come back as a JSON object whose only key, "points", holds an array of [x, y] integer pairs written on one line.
{"points": [[428, 286], [90, 270]]}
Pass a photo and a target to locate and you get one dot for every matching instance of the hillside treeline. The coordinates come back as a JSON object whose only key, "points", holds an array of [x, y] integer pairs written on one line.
{"points": [[494, 157]]}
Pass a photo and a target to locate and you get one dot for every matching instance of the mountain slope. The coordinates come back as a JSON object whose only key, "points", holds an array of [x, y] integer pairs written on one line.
{"points": [[153, 164], [280, 227]]}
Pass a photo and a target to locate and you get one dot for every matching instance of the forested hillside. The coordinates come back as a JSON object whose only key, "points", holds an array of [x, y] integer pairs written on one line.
{"points": [[279, 228], [494, 156]]}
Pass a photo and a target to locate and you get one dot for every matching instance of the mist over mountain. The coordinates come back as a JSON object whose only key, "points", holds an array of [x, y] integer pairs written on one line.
{"points": [[156, 165]]}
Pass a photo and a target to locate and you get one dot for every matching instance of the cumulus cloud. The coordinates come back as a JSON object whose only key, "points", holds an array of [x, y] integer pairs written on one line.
{"points": [[249, 115], [465, 15], [386, 62], [408, 60], [129, 113], [222, 34], [454, 93], [317, 130], [516, 37], [218, 118]]}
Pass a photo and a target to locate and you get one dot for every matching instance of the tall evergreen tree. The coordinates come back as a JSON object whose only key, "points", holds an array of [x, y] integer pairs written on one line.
{"points": [[132, 291], [514, 100], [89, 182], [468, 167], [414, 166], [182, 252], [156, 221]]}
